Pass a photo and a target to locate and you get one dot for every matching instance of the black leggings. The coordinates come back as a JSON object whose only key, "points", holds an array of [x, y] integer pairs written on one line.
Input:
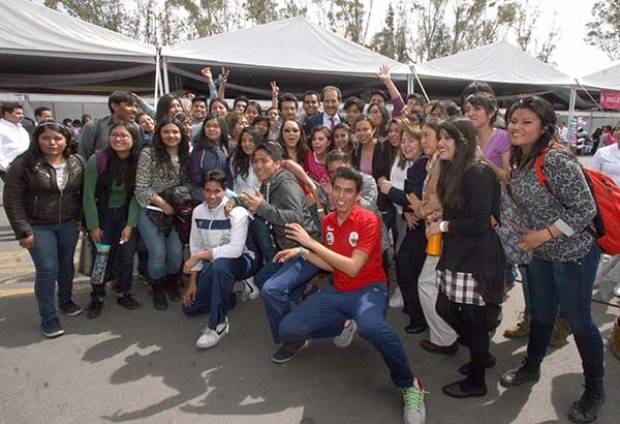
{"points": [[472, 324], [409, 262]]}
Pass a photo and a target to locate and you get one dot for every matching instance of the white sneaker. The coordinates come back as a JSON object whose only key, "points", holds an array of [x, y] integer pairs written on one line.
{"points": [[413, 399], [396, 301], [212, 337], [345, 338], [250, 291]]}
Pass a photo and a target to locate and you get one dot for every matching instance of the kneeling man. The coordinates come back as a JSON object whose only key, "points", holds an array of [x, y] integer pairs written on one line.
{"points": [[222, 253], [351, 249]]}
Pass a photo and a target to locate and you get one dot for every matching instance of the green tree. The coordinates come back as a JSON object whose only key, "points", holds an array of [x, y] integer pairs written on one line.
{"points": [[261, 11], [384, 41], [205, 17], [604, 29], [347, 17]]}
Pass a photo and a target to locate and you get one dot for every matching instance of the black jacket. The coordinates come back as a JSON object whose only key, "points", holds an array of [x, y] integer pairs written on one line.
{"points": [[31, 195]]}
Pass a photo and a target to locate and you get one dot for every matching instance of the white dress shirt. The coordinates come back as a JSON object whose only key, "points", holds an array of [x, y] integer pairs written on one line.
{"points": [[607, 160], [14, 140]]}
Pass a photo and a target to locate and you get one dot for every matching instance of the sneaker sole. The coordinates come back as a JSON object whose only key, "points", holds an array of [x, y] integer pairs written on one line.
{"points": [[283, 361], [53, 334], [73, 314]]}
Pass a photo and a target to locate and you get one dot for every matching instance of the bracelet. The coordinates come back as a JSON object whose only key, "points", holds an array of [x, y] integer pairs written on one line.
{"points": [[443, 226], [320, 210], [301, 253], [550, 233]]}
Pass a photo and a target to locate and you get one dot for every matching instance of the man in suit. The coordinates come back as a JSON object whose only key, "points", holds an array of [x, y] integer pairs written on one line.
{"points": [[331, 97]]}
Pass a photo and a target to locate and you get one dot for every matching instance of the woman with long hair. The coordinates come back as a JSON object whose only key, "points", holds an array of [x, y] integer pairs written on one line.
{"points": [[242, 174], [381, 118], [470, 271], [163, 166], [292, 138], [168, 105], [42, 200], [343, 139], [321, 144], [219, 107], [210, 151], [493, 145], [236, 121], [111, 210], [565, 255], [253, 111]]}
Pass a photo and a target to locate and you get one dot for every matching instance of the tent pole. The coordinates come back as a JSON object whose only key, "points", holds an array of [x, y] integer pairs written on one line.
{"points": [[572, 129], [166, 81], [156, 91], [417, 78], [410, 84]]}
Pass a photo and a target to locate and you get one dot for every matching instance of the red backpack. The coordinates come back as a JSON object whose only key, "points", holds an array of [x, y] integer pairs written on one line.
{"points": [[607, 197]]}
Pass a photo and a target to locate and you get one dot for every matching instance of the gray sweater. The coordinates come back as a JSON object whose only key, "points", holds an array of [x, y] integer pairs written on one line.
{"points": [[284, 203]]}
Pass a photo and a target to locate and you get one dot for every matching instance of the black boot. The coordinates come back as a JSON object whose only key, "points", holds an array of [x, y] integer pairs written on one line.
{"points": [[159, 294], [172, 287], [586, 409]]}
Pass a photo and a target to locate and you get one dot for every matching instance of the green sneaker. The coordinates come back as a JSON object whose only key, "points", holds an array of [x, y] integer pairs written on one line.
{"points": [[413, 399]]}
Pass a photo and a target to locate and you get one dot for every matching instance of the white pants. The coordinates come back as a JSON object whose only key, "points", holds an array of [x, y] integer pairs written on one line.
{"points": [[440, 332]]}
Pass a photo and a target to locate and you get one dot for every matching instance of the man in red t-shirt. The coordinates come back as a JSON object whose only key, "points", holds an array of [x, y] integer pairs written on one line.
{"points": [[351, 249]]}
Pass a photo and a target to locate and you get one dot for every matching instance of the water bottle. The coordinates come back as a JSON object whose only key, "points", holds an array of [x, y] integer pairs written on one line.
{"points": [[101, 262]]}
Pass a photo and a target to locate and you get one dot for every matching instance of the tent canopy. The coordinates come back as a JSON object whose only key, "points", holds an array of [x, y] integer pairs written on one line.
{"points": [[298, 54], [506, 67], [42, 49], [608, 78]]}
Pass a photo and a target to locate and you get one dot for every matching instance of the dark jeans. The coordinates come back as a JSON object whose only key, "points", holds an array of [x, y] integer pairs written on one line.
{"points": [[215, 286], [409, 262], [120, 262], [165, 253], [324, 315], [565, 285], [472, 324], [52, 255], [259, 229], [279, 283]]}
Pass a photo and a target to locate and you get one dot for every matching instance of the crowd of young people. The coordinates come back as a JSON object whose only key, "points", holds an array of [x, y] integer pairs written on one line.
{"points": [[278, 200]]}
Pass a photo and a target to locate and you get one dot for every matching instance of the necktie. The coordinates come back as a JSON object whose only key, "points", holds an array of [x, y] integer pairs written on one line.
{"points": [[332, 119]]}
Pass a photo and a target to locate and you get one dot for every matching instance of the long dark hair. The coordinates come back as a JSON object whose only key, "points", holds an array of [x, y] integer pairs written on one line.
{"points": [[123, 171], [302, 148], [161, 155], [544, 110], [385, 113], [240, 160], [451, 172], [203, 142], [34, 153], [163, 106]]}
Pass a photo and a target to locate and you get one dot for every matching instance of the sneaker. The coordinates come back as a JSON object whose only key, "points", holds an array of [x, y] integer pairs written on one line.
{"points": [[345, 338], [413, 399], [250, 291], [288, 350], [52, 328], [521, 329], [93, 310], [586, 409], [70, 309], [396, 301], [211, 337], [127, 301], [518, 376]]}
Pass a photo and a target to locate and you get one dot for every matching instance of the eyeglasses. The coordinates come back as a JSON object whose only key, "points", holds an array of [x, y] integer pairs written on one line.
{"points": [[120, 136]]}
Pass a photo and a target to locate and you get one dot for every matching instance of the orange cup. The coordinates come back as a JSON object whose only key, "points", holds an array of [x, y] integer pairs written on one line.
{"points": [[433, 246]]}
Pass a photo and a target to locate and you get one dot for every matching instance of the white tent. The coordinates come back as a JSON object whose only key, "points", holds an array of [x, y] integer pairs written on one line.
{"points": [[41, 48], [608, 78], [507, 68], [297, 53]]}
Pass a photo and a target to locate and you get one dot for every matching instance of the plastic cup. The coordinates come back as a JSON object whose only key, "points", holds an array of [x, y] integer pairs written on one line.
{"points": [[433, 246]]}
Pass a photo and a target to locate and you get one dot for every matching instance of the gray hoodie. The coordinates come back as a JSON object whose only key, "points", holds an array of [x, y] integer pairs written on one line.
{"points": [[284, 203]]}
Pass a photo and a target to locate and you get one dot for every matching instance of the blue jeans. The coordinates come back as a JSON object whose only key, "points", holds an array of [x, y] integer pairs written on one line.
{"points": [[215, 286], [259, 229], [165, 253], [324, 315], [121, 255], [279, 283], [52, 255], [567, 285]]}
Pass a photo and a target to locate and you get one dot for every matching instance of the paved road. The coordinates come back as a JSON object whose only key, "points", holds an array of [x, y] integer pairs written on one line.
{"points": [[141, 366]]}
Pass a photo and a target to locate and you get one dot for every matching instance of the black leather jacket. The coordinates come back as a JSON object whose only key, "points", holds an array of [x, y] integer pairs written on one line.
{"points": [[31, 194]]}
